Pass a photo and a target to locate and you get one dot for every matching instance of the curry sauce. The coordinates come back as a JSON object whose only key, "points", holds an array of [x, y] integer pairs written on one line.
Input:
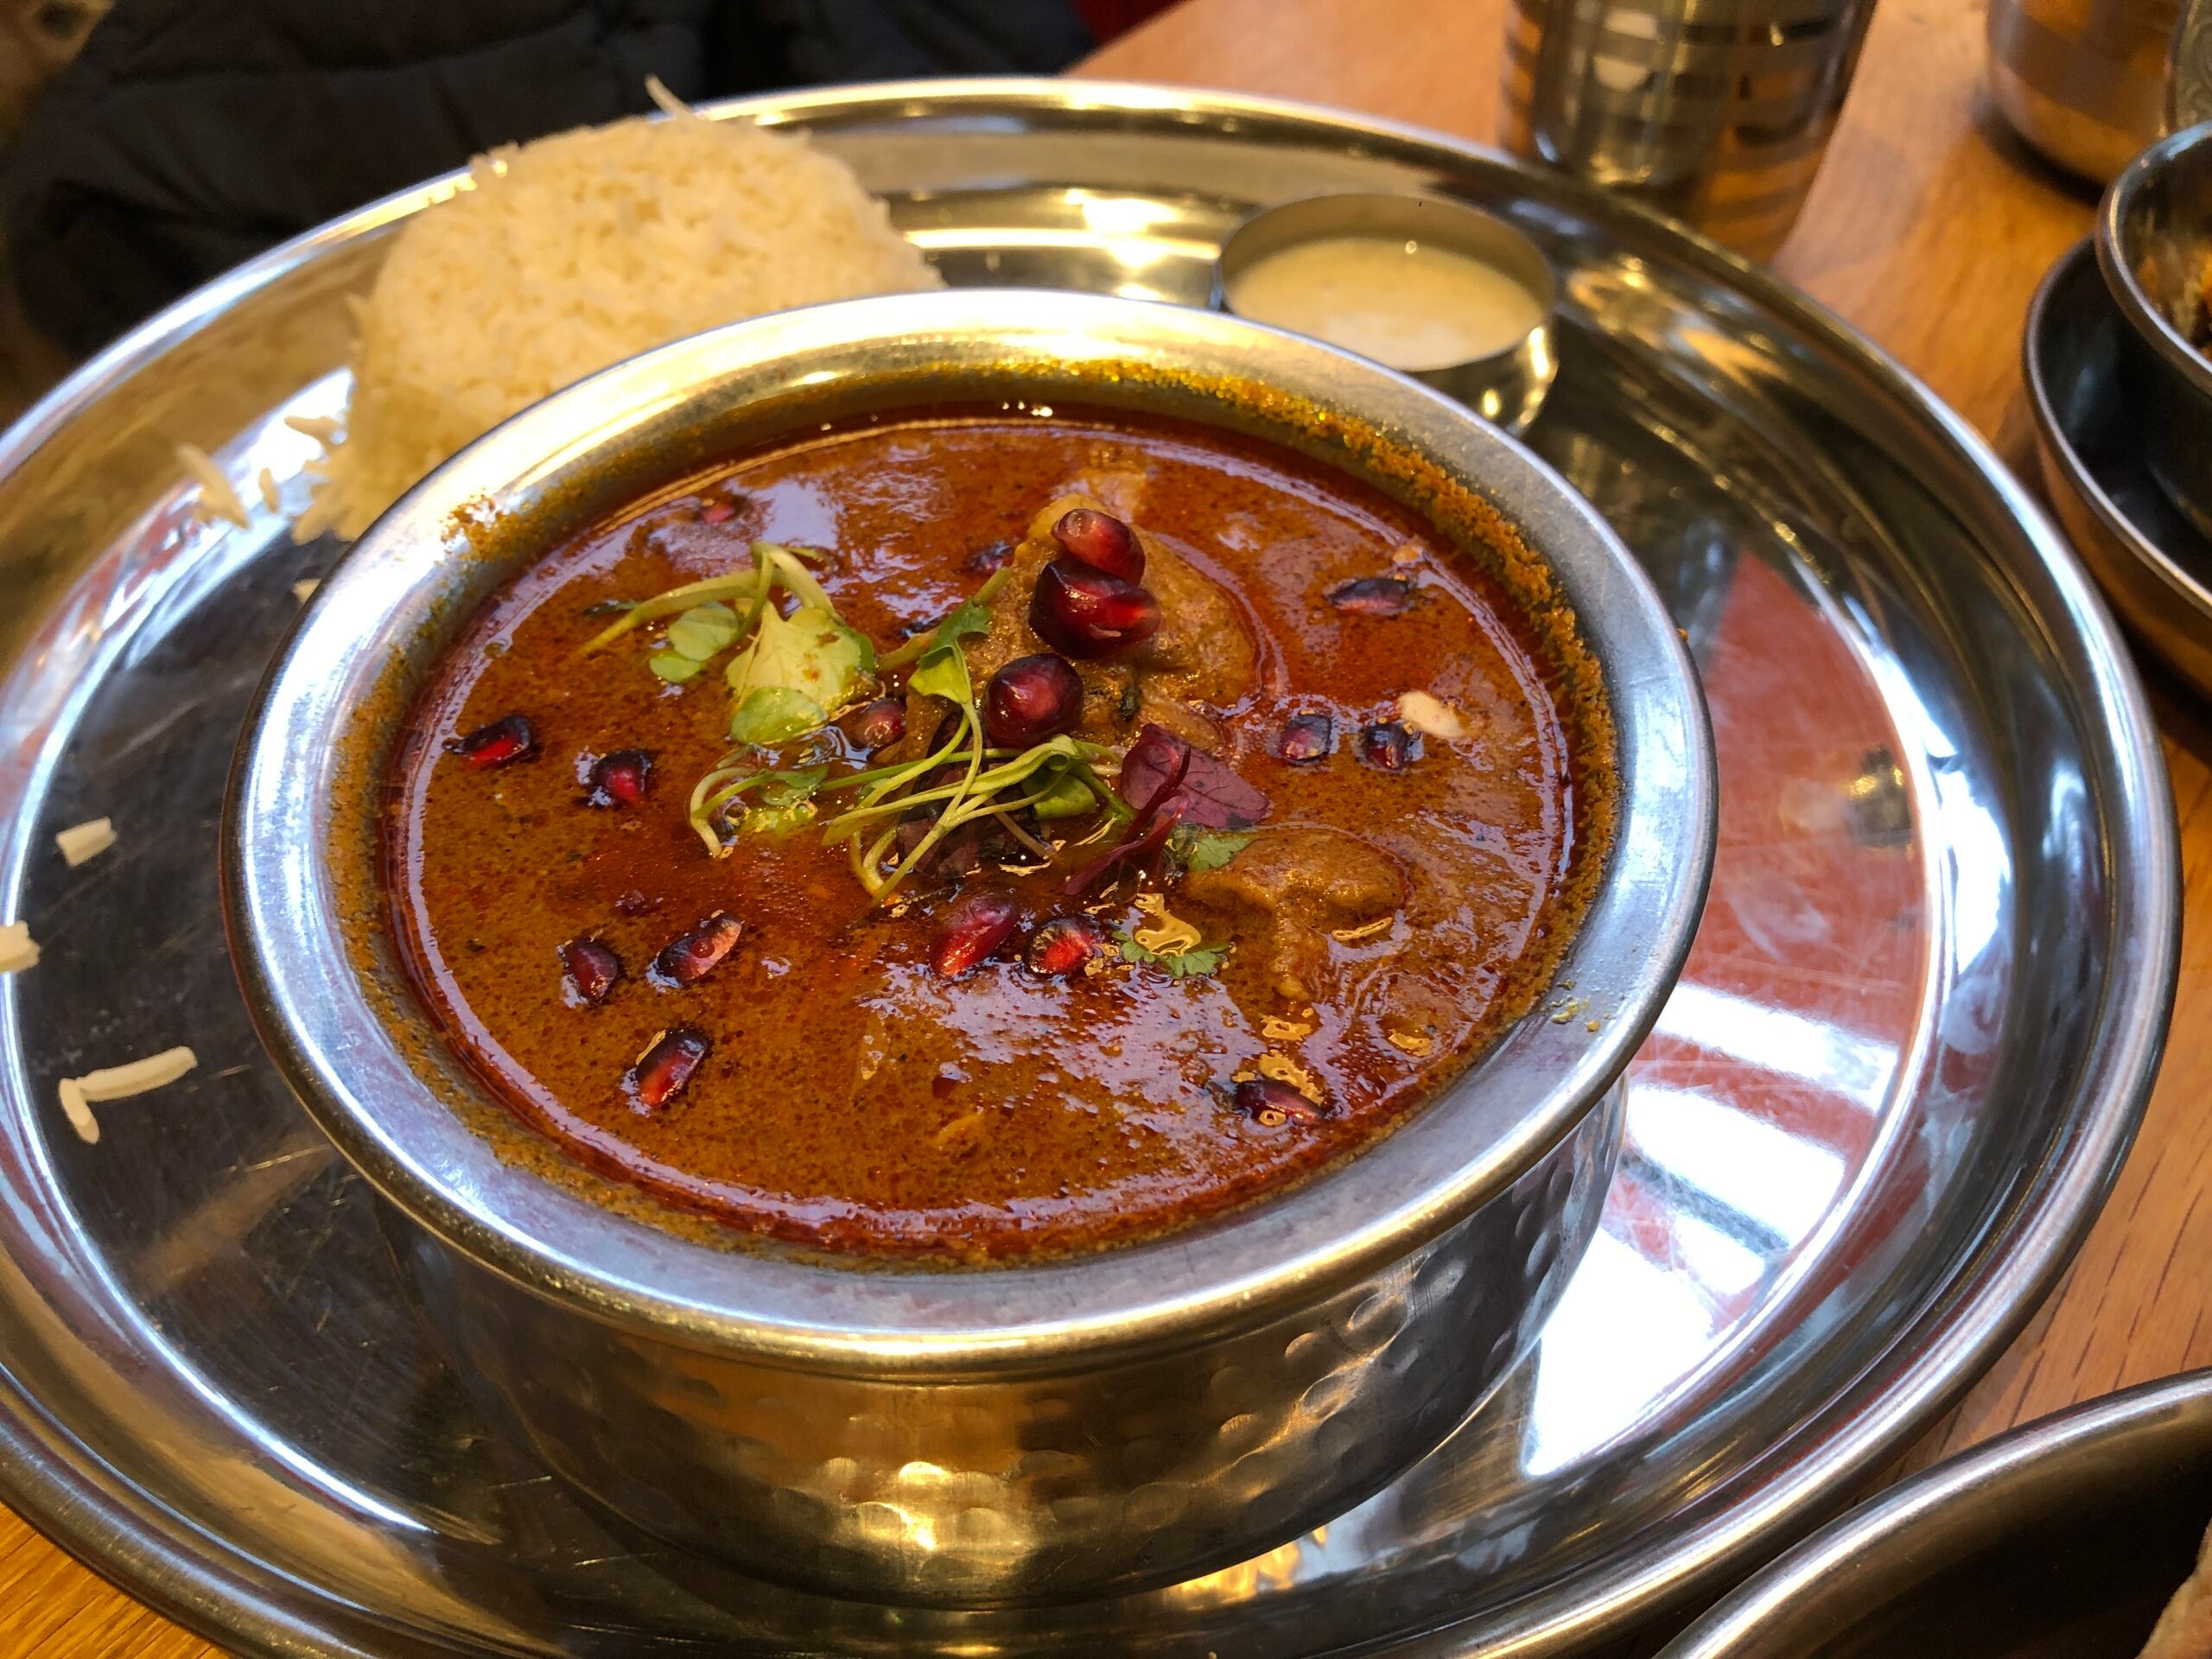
{"points": [[1312, 829]]}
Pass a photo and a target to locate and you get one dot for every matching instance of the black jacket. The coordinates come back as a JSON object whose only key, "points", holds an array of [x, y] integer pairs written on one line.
{"points": [[192, 134]]}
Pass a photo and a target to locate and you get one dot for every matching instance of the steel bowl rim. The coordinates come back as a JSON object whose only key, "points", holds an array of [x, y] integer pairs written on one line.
{"points": [[2057, 446], [2149, 323], [233, 1599], [1282, 1252], [1877, 1537]]}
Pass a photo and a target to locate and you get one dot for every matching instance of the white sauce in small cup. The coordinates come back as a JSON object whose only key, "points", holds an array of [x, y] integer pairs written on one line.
{"points": [[1406, 304]]}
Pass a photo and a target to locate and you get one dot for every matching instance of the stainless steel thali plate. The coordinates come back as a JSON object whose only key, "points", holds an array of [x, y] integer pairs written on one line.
{"points": [[1911, 1046]]}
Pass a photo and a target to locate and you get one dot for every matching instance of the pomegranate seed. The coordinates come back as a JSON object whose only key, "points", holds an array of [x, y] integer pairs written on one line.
{"points": [[698, 953], [666, 1068], [1066, 945], [1101, 541], [592, 967], [505, 741], [720, 510], [973, 929], [619, 779], [1389, 746], [1271, 1104], [1373, 596], [1305, 739], [1087, 613], [881, 724], [1030, 699]]}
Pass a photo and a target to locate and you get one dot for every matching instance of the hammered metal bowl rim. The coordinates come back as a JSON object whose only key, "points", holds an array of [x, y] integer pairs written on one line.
{"points": [[1294, 1246]]}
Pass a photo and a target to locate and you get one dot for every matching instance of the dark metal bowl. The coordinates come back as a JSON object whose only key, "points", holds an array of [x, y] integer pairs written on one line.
{"points": [[2156, 220], [2153, 564], [1049, 1430], [2059, 1541]]}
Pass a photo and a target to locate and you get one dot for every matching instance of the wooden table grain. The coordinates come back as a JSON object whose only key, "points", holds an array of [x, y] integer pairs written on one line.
{"points": [[1928, 229]]}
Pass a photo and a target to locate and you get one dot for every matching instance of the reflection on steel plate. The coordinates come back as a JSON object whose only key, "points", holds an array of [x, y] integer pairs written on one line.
{"points": [[1760, 1095]]}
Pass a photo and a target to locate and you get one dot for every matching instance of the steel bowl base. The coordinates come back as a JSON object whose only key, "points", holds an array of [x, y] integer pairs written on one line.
{"points": [[1000, 1491]]}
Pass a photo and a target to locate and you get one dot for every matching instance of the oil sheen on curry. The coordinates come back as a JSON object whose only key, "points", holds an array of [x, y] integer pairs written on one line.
{"points": [[993, 832]]}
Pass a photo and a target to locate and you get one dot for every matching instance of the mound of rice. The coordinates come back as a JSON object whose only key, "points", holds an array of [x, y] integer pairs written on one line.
{"points": [[569, 253]]}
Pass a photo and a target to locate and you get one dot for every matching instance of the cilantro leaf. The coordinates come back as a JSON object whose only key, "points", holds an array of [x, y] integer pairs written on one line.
{"points": [[943, 672], [972, 616], [790, 788], [810, 654], [674, 666], [968, 618], [703, 630], [1068, 797], [1207, 959], [769, 713], [1176, 965], [775, 820], [1203, 849]]}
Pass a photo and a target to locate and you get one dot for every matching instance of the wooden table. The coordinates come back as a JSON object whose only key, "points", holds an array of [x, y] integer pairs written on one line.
{"points": [[1929, 228]]}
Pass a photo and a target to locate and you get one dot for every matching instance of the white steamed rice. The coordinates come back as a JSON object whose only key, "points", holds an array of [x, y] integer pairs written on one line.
{"points": [[575, 252]]}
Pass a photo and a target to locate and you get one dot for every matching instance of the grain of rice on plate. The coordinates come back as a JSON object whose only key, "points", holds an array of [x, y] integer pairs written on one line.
{"points": [[572, 252]]}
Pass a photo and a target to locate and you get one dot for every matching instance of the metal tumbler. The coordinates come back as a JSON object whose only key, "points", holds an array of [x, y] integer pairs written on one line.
{"points": [[1716, 112], [2084, 81]]}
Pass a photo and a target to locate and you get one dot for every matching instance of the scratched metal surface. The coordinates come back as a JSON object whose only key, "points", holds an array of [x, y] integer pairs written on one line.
{"points": [[1906, 1057]]}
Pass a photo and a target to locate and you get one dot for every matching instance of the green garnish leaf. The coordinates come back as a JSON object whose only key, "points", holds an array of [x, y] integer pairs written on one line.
{"points": [[1205, 850], [773, 713], [811, 653], [943, 672], [744, 584], [775, 820], [1068, 797], [790, 788], [674, 666], [1176, 964], [703, 630], [970, 617]]}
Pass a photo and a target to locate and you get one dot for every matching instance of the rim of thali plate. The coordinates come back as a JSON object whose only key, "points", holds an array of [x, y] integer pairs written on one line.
{"points": [[126, 1533], [1934, 1519]]}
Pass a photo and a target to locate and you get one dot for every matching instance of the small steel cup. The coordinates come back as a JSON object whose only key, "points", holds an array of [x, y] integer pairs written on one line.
{"points": [[1507, 387], [2084, 81], [1716, 112]]}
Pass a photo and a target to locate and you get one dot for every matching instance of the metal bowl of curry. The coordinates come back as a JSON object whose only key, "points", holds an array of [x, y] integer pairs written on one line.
{"points": [[983, 940]]}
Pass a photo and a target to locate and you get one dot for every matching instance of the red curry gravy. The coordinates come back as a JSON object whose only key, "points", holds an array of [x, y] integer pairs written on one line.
{"points": [[896, 1076]]}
